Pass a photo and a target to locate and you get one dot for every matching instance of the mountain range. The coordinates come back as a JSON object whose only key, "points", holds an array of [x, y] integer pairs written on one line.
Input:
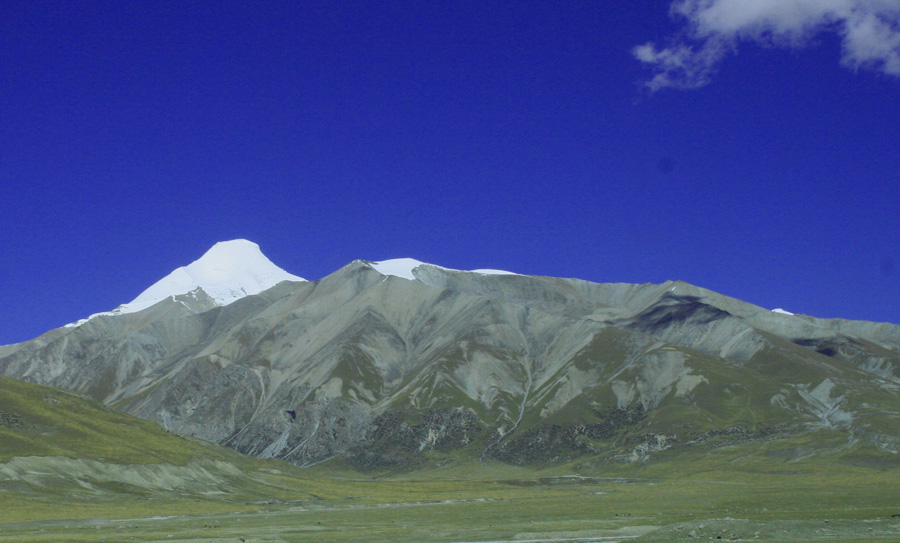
{"points": [[399, 364]]}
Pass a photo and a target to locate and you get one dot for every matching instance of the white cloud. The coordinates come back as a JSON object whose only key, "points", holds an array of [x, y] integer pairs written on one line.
{"points": [[713, 29]]}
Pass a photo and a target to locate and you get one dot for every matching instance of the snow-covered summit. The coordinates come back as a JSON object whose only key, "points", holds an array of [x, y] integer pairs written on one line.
{"points": [[227, 272], [403, 267]]}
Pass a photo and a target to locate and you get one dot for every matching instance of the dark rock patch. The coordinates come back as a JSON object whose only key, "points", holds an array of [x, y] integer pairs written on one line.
{"points": [[394, 441], [13, 421], [673, 310], [554, 443]]}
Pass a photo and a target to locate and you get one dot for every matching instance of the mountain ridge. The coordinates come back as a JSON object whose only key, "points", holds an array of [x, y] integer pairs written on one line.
{"points": [[242, 257], [387, 372]]}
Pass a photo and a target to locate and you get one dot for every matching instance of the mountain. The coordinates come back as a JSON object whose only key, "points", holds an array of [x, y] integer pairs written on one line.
{"points": [[400, 363], [227, 272]]}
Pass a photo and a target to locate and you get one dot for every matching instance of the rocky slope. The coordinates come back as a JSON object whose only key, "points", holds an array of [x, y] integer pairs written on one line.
{"points": [[394, 364]]}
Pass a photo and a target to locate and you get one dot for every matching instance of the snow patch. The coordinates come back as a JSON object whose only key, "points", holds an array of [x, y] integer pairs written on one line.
{"points": [[405, 268], [781, 311], [494, 272], [398, 267]]}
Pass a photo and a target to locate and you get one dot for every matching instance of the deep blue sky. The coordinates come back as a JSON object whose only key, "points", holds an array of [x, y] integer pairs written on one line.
{"points": [[512, 135]]}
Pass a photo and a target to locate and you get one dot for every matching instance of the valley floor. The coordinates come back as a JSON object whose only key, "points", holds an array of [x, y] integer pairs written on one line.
{"points": [[508, 507]]}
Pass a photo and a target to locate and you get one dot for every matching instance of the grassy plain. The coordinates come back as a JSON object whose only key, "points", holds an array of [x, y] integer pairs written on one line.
{"points": [[790, 502]]}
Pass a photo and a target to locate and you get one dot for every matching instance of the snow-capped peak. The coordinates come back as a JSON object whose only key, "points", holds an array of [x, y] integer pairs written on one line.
{"points": [[403, 267], [227, 272]]}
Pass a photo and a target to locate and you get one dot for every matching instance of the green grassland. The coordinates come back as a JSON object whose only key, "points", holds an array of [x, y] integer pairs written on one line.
{"points": [[766, 499], [74, 470], [507, 506]]}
